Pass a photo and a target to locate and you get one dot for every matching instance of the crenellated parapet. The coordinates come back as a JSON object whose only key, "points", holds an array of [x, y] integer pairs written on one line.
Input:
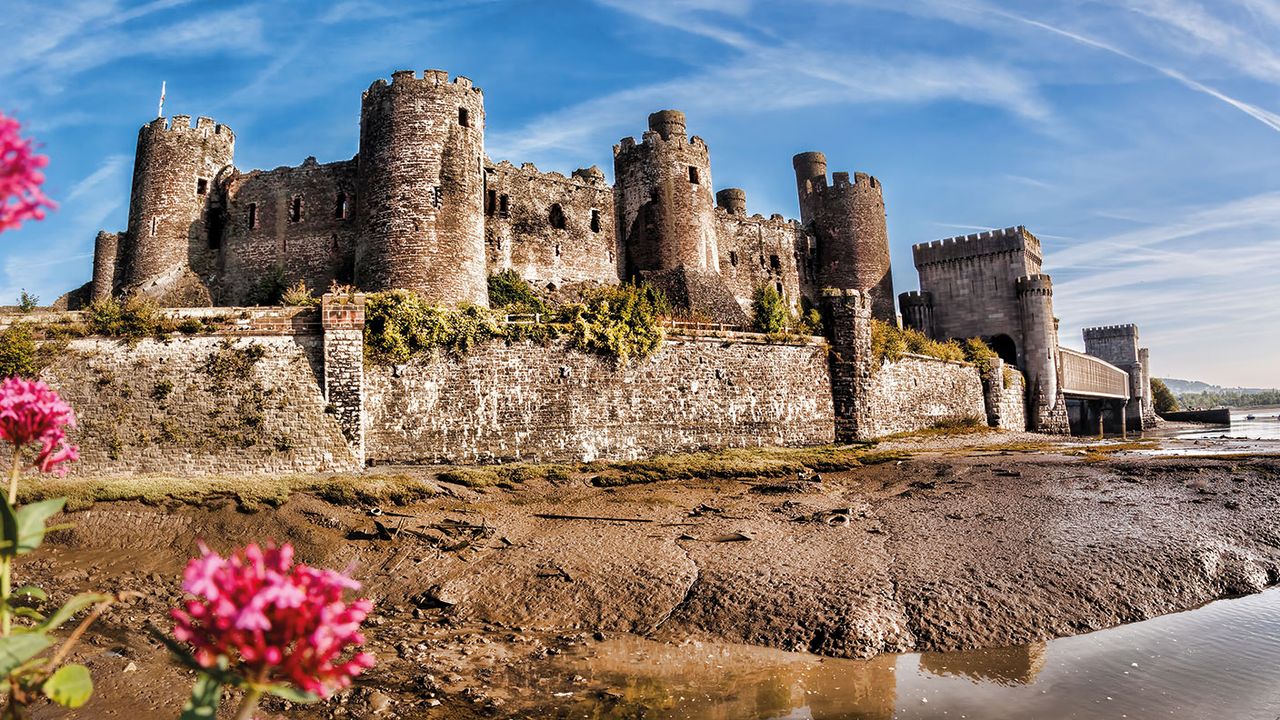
{"points": [[1035, 285], [976, 245], [917, 311]]}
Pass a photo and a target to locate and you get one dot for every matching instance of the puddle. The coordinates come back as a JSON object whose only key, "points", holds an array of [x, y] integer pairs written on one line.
{"points": [[1219, 661]]}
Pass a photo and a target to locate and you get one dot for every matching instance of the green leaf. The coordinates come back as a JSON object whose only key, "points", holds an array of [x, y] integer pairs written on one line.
{"points": [[27, 612], [206, 694], [70, 608], [17, 649], [31, 591], [24, 528], [70, 686], [292, 694]]}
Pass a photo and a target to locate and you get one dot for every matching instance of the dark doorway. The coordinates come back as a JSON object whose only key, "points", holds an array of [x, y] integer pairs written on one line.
{"points": [[1004, 346]]}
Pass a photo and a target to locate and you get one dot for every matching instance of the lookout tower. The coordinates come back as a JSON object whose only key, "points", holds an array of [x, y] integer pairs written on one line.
{"points": [[421, 188], [848, 220]]}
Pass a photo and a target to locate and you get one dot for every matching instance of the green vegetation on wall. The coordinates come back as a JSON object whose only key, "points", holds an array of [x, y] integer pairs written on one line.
{"points": [[19, 355], [771, 315], [620, 321]]}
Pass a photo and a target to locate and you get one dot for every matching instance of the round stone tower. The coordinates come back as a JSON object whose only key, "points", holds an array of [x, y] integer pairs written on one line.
{"points": [[848, 219], [420, 188], [174, 175], [733, 200], [662, 191], [1039, 350]]}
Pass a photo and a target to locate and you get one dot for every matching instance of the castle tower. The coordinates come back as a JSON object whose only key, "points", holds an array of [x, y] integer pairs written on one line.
{"points": [[170, 218], [1118, 345], [420, 188], [105, 266], [848, 219], [663, 199], [733, 200], [917, 311], [1039, 355]]}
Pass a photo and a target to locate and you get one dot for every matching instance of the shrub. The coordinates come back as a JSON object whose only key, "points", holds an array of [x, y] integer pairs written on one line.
{"points": [[270, 288], [298, 295], [979, 353], [770, 312], [136, 318], [28, 302], [1163, 397], [18, 352], [620, 321], [400, 325], [509, 292], [889, 343]]}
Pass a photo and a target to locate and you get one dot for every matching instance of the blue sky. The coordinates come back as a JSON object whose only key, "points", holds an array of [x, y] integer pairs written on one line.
{"points": [[1140, 139]]}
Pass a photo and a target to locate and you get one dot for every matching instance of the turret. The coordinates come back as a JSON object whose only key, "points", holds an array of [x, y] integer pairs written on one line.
{"points": [[106, 269], [732, 200], [1039, 353], [848, 219], [420, 188], [663, 199], [917, 311], [171, 229]]}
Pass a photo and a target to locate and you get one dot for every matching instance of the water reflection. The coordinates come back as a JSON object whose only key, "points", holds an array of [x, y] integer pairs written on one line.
{"points": [[1264, 425], [1222, 660]]}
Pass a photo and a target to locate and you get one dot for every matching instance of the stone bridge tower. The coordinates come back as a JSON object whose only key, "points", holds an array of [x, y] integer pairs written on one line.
{"points": [[663, 200], [175, 220], [848, 219], [420, 188], [1118, 345], [1047, 407]]}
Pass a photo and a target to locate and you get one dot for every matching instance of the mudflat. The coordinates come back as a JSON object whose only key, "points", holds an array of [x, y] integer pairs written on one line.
{"points": [[943, 546]]}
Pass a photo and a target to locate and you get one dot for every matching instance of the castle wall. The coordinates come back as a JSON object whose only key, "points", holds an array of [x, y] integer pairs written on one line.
{"points": [[1005, 391], [199, 406], [756, 251], [522, 233], [528, 402], [262, 235], [917, 392]]}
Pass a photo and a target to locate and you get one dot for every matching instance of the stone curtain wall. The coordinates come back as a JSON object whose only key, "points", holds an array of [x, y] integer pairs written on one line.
{"points": [[1006, 407], [529, 402], [757, 251], [200, 406], [343, 320], [917, 392], [520, 233]]}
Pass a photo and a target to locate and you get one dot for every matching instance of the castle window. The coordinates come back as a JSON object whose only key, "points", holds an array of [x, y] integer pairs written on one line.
{"points": [[557, 218], [464, 117], [733, 258], [214, 226], [437, 196], [490, 202], [779, 287], [341, 208], [504, 206], [153, 226], [557, 249], [653, 195], [693, 175], [295, 209], [595, 220], [253, 216], [202, 186], [774, 262]]}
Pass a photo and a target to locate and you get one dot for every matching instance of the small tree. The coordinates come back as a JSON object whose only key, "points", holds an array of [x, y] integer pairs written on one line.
{"points": [[770, 309], [28, 302], [1163, 397]]}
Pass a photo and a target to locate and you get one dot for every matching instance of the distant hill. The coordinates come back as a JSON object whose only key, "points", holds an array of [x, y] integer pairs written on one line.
{"points": [[1196, 394]]}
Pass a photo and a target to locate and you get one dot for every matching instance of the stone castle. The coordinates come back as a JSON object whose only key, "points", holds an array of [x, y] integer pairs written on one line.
{"points": [[422, 207]]}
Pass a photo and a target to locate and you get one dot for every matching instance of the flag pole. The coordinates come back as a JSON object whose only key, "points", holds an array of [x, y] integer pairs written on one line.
{"points": [[160, 111]]}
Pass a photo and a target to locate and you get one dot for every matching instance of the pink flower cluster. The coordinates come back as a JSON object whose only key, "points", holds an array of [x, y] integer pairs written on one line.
{"points": [[274, 621], [20, 178], [32, 413]]}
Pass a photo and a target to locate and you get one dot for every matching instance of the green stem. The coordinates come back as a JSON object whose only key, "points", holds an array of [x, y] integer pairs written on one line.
{"points": [[249, 704], [6, 561]]}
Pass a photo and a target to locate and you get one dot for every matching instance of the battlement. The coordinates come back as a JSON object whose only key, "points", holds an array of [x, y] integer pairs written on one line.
{"points": [[774, 219], [591, 177], [429, 77], [1109, 331], [915, 298], [182, 124], [1035, 285], [990, 242]]}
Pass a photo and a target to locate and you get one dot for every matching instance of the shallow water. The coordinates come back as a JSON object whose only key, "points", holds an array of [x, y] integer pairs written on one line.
{"points": [[1265, 425], [1219, 661]]}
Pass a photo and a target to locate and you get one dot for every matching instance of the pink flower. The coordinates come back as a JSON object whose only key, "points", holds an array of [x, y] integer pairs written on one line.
{"points": [[32, 413], [272, 620], [20, 178]]}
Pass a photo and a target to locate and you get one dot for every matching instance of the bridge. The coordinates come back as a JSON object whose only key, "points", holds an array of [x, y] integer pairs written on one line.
{"points": [[1097, 393]]}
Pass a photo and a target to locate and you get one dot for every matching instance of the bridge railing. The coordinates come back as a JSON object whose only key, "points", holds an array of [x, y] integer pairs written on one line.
{"points": [[1087, 375]]}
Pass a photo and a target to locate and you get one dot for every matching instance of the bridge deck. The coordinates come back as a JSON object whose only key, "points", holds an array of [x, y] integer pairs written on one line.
{"points": [[1089, 377]]}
